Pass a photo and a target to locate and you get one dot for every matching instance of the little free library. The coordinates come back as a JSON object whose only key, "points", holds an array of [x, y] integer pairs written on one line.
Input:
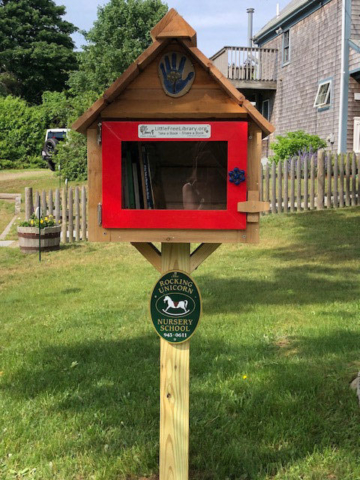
{"points": [[174, 157]]}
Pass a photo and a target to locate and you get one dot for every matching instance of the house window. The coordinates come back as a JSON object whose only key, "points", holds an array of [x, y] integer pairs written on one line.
{"points": [[286, 48], [323, 96], [265, 109]]}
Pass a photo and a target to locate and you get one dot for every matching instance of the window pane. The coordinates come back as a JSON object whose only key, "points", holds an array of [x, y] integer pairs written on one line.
{"points": [[323, 95], [174, 175]]}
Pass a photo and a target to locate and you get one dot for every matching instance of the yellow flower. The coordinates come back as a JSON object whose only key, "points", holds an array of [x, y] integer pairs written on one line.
{"points": [[32, 222], [59, 221], [244, 377], [41, 221], [46, 219]]}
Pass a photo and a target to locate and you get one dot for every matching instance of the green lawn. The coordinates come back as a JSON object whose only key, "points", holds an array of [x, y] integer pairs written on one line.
{"points": [[7, 212], [79, 360], [15, 181]]}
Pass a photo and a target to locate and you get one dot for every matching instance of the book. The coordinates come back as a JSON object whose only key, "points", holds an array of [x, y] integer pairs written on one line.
{"points": [[143, 188], [130, 180], [147, 180], [136, 186]]}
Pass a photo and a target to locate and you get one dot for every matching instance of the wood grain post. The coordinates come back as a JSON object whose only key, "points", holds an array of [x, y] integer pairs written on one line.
{"points": [[280, 207], [57, 206], [71, 215], [336, 176], [341, 186], [273, 187], [37, 200], [51, 203], [347, 182], [312, 183], [306, 183], [329, 173], [353, 180], [292, 185], [29, 207], [261, 183], [286, 186], [64, 238], [320, 182], [174, 385], [43, 204], [298, 184], [83, 213], [267, 183], [77, 214]]}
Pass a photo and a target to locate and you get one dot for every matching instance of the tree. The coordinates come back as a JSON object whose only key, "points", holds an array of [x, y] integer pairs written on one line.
{"points": [[118, 37], [36, 49], [295, 143]]}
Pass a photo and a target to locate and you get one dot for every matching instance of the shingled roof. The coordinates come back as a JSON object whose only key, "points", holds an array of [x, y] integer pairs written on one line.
{"points": [[171, 26]]}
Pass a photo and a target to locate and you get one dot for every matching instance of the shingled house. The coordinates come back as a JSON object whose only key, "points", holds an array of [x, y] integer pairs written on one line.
{"points": [[305, 71]]}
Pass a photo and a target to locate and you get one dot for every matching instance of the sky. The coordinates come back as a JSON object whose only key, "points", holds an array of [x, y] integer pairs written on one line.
{"points": [[217, 23]]}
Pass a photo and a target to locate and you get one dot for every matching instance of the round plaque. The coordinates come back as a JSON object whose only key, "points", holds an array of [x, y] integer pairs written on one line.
{"points": [[175, 306]]}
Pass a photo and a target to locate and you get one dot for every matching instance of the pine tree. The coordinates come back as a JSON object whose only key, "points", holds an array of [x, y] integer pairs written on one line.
{"points": [[36, 49]]}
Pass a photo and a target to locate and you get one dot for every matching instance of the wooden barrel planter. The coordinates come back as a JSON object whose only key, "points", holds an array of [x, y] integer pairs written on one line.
{"points": [[29, 239]]}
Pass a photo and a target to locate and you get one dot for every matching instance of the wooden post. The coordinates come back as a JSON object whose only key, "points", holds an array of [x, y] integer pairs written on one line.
{"points": [[71, 215], [292, 185], [77, 214], [267, 183], [306, 182], [347, 183], [329, 173], [43, 204], [341, 186], [29, 207], [312, 183], [298, 184], [320, 182], [51, 203], [286, 183], [174, 385], [83, 213], [279, 188], [336, 176], [273, 188], [64, 238], [57, 206], [353, 180]]}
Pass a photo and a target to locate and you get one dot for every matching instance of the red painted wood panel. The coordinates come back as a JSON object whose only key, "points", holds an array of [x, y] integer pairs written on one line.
{"points": [[113, 216]]}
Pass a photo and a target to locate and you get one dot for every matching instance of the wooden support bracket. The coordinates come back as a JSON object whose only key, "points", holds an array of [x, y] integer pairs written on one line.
{"points": [[153, 255], [150, 252], [201, 254], [253, 207]]}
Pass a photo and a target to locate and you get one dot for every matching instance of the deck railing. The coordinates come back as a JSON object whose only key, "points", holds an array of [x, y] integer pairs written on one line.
{"points": [[247, 63]]}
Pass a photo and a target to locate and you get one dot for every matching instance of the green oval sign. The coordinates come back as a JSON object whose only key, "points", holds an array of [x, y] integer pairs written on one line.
{"points": [[175, 306]]}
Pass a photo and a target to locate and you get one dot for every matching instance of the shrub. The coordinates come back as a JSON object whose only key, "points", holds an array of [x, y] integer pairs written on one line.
{"points": [[295, 144]]}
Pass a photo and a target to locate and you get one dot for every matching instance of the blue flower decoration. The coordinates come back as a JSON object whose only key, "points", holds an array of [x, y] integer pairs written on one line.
{"points": [[237, 176]]}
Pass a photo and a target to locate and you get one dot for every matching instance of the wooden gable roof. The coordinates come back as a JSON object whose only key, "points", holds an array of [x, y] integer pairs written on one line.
{"points": [[171, 27]]}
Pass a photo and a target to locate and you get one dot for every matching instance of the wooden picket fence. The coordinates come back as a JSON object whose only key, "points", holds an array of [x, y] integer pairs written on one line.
{"points": [[311, 182], [68, 206], [304, 183]]}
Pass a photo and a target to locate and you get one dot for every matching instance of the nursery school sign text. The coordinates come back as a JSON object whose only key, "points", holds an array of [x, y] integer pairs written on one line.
{"points": [[175, 306]]}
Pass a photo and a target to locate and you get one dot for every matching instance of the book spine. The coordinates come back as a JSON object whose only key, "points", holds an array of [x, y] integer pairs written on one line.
{"points": [[141, 153], [149, 199], [136, 186], [130, 180]]}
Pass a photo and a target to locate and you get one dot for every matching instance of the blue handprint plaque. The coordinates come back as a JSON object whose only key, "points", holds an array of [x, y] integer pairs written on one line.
{"points": [[176, 73]]}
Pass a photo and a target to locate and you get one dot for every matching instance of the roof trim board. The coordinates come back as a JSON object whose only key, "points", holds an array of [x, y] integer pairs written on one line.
{"points": [[186, 37]]}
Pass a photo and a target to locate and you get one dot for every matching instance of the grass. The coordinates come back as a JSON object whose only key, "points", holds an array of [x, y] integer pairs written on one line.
{"points": [[15, 181], [271, 361], [7, 212]]}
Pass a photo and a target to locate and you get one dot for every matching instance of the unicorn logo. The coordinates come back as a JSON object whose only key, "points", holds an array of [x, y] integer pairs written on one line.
{"points": [[182, 305]]}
